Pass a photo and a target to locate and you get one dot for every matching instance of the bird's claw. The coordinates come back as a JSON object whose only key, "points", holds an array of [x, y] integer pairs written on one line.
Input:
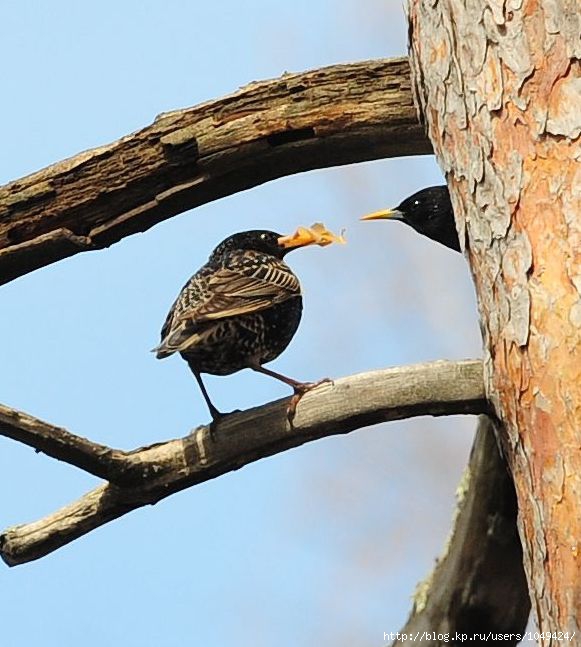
{"points": [[217, 417], [300, 390]]}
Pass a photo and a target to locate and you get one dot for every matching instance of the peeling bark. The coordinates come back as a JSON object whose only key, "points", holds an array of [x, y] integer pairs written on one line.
{"points": [[298, 122], [499, 85]]}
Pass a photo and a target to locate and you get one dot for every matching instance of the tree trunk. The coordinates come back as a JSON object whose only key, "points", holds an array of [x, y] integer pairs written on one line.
{"points": [[478, 583], [499, 86]]}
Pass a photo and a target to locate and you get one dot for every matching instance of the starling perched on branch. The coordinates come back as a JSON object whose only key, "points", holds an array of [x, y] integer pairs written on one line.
{"points": [[429, 212], [241, 309]]}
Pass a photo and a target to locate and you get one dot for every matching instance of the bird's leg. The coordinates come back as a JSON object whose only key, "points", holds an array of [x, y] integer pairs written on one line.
{"points": [[216, 415], [299, 388]]}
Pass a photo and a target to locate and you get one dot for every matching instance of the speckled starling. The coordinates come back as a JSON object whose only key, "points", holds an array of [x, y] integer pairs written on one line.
{"points": [[429, 212], [241, 309]]}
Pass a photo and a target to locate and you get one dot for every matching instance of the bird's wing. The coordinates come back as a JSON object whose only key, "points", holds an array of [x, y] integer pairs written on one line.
{"points": [[244, 290], [249, 284]]}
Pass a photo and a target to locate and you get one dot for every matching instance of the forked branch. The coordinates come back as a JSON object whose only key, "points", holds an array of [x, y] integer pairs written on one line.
{"points": [[147, 475]]}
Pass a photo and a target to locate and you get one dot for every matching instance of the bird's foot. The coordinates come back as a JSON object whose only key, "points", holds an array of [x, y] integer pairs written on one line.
{"points": [[217, 417], [300, 389]]}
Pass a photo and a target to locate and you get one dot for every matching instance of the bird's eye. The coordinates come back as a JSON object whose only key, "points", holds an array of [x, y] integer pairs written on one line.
{"points": [[263, 236], [416, 203]]}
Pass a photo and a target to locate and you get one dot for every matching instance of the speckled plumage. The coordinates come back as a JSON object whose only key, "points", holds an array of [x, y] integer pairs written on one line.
{"points": [[240, 310]]}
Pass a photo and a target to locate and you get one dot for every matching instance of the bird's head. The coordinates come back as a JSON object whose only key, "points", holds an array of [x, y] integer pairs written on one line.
{"points": [[274, 244], [429, 212]]}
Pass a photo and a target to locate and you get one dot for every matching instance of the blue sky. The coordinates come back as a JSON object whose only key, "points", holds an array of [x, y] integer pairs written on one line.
{"points": [[325, 542]]}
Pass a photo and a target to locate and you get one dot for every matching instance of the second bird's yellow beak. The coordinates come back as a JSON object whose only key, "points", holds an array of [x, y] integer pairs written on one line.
{"points": [[384, 214]]}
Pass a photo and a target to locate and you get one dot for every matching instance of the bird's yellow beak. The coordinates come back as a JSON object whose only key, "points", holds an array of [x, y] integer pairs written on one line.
{"points": [[316, 234], [385, 214]]}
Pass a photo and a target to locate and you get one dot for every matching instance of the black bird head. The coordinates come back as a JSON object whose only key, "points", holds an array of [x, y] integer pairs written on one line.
{"points": [[429, 212], [273, 244], [256, 240]]}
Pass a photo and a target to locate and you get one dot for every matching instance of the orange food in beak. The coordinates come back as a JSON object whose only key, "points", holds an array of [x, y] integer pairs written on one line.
{"points": [[316, 234]]}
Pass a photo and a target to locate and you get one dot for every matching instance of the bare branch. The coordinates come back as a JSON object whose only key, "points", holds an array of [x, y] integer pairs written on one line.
{"points": [[59, 443], [298, 122], [479, 583], [147, 475]]}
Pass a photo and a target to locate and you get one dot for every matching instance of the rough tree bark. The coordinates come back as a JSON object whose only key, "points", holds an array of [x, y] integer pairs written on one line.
{"points": [[298, 122], [498, 83]]}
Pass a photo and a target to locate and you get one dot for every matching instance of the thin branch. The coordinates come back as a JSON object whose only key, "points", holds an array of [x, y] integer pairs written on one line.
{"points": [[59, 443], [147, 475], [298, 122], [479, 583]]}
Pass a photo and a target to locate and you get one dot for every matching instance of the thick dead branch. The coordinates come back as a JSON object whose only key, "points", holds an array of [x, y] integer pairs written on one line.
{"points": [[298, 122], [150, 474], [479, 583]]}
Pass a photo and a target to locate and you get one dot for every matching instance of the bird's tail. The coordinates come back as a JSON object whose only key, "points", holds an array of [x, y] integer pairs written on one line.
{"points": [[177, 340], [161, 351]]}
